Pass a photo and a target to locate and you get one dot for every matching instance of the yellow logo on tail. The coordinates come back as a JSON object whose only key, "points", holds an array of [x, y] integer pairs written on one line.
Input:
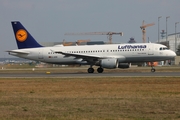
{"points": [[21, 35]]}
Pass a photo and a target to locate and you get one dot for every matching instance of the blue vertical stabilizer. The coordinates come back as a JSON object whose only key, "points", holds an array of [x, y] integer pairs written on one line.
{"points": [[23, 37]]}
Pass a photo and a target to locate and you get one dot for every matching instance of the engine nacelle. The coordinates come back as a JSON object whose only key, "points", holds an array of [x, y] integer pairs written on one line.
{"points": [[109, 63], [124, 65]]}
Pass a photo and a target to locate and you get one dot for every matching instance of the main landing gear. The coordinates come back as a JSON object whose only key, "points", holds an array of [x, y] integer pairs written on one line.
{"points": [[100, 70], [91, 70]]}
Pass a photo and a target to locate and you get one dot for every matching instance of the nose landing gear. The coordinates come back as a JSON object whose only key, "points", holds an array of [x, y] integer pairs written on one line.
{"points": [[152, 67]]}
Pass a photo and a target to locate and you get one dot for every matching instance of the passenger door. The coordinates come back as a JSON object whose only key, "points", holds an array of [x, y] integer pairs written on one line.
{"points": [[150, 49], [40, 55]]}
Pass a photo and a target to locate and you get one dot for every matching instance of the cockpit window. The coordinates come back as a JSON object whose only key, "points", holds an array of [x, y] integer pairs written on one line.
{"points": [[163, 48]]}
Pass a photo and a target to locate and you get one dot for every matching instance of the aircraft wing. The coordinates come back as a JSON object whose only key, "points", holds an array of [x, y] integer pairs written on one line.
{"points": [[18, 51], [84, 56]]}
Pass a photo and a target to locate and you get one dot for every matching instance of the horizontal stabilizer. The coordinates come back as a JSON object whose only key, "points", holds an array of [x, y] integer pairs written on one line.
{"points": [[18, 51]]}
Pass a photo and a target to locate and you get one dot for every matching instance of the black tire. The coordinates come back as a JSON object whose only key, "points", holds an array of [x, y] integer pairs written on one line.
{"points": [[100, 70], [90, 70], [153, 70]]}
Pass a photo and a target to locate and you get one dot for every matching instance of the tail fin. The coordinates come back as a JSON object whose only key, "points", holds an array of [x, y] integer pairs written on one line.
{"points": [[23, 37]]}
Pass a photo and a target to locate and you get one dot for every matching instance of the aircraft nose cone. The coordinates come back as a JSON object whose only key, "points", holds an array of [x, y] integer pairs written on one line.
{"points": [[173, 54]]}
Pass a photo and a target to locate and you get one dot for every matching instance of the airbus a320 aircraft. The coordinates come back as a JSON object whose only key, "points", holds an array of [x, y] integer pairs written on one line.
{"points": [[108, 56]]}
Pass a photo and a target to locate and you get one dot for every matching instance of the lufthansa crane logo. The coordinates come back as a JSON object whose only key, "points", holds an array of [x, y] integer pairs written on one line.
{"points": [[21, 35]]}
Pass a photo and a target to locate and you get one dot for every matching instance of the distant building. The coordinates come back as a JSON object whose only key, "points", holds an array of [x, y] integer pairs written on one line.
{"points": [[95, 43], [132, 40], [50, 43], [71, 43], [163, 34], [171, 41]]}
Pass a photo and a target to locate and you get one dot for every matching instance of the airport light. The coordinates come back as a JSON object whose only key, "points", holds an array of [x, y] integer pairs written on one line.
{"points": [[166, 30], [175, 37], [158, 27]]}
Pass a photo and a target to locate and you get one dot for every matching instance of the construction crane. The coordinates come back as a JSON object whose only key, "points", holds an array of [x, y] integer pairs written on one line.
{"points": [[82, 41], [143, 28], [67, 43], [98, 33]]}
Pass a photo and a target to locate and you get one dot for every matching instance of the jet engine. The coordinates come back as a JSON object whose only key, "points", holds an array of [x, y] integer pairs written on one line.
{"points": [[124, 65], [109, 63]]}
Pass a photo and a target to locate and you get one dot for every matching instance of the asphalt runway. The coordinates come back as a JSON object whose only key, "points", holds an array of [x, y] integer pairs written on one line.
{"points": [[84, 75]]}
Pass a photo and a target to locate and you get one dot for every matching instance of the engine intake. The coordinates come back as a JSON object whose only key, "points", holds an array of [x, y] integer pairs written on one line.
{"points": [[109, 63]]}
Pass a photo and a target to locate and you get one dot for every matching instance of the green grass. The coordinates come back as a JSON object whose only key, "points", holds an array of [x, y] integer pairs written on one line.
{"points": [[90, 98]]}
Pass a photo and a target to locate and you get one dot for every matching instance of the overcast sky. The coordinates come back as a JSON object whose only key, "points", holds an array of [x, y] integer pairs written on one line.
{"points": [[48, 20]]}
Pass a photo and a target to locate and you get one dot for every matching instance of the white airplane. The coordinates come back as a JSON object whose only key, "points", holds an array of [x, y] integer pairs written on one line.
{"points": [[108, 56]]}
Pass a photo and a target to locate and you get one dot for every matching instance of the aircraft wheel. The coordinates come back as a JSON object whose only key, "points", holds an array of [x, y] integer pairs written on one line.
{"points": [[90, 70], [153, 70], [100, 70]]}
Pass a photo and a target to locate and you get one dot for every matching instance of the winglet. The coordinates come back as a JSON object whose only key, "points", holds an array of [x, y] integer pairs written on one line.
{"points": [[23, 37]]}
